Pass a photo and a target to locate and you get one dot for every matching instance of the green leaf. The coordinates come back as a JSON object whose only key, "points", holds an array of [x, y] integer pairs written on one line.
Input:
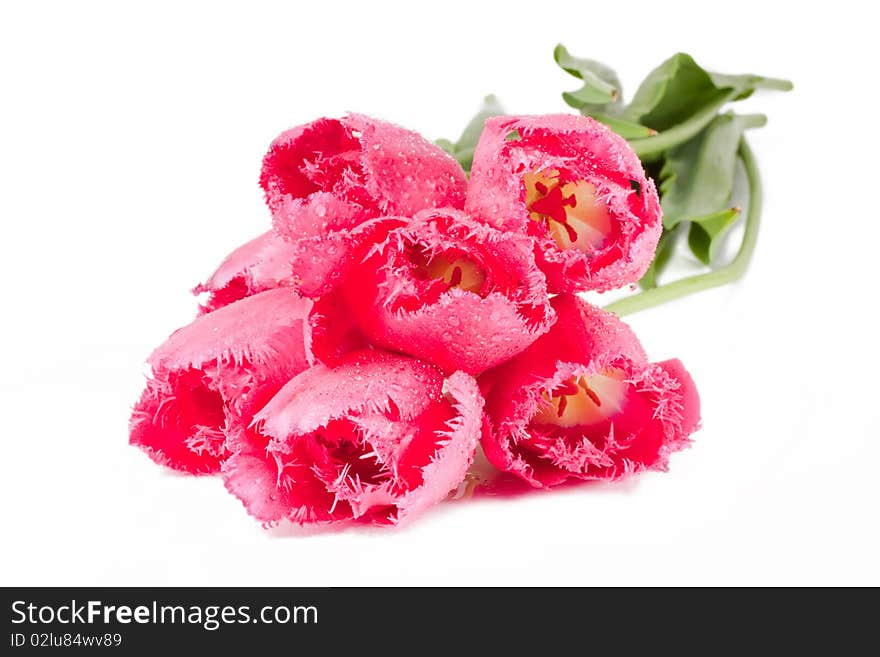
{"points": [[679, 87], [463, 149], [446, 145], [746, 85], [471, 134], [465, 158], [671, 93], [601, 90], [662, 256], [679, 98], [601, 95], [697, 177], [589, 94], [705, 233], [651, 149], [626, 129], [579, 67]]}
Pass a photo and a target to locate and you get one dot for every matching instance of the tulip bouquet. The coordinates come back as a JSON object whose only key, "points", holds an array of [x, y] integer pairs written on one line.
{"points": [[402, 315]]}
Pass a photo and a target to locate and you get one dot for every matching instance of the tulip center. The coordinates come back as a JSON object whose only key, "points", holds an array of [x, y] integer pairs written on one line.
{"points": [[324, 154], [358, 462], [585, 400], [350, 460], [196, 402], [455, 270], [572, 214], [199, 412]]}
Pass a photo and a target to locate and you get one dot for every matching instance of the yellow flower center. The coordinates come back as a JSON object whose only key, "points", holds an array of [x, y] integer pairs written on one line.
{"points": [[461, 272], [573, 215], [586, 400]]}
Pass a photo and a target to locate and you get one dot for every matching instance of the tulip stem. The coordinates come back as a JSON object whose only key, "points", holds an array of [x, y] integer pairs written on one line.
{"points": [[727, 274]]}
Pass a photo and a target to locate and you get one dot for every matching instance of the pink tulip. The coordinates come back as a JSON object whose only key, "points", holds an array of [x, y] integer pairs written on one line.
{"points": [[583, 402], [377, 438], [577, 189], [444, 288]]}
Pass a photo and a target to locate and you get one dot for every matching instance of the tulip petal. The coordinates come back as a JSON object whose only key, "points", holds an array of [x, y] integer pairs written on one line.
{"points": [[447, 468], [225, 364], [334, 330], [263, 263]]}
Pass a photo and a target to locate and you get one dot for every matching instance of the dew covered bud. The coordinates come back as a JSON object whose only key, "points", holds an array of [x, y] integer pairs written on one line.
{"points": [[324, 178]]}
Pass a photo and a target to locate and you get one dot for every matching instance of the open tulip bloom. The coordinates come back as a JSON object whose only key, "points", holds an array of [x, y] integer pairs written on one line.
{"points": [[577, 188], [378, 438], [226, 363], [330, 376], [584, 402], [447, 289]]}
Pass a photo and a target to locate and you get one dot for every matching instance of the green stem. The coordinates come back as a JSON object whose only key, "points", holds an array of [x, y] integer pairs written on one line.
{"points": [[727, 274], [651, 148]]}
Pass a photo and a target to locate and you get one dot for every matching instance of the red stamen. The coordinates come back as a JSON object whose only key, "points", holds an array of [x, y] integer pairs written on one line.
{"points": [[552, 208], [590, 393], [563, 402], [455, 279], [567, 388], [551, 205], [572, 233]]}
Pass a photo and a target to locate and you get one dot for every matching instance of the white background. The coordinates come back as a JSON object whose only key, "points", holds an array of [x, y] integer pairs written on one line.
{"points": [[130, 145]]}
